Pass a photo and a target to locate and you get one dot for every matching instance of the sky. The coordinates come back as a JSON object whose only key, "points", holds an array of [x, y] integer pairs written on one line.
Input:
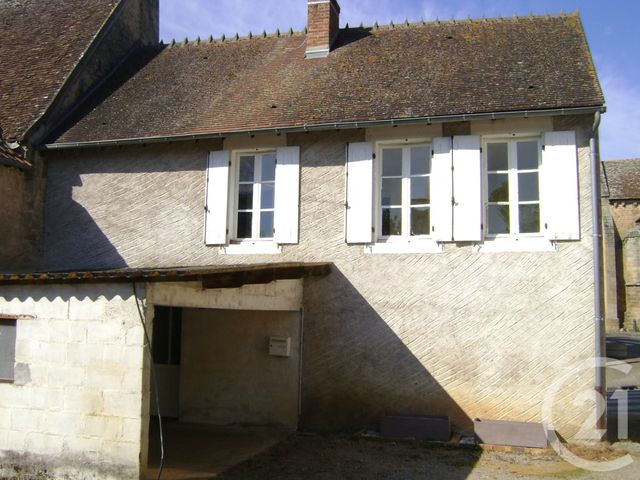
{"points": [[611, 26]]}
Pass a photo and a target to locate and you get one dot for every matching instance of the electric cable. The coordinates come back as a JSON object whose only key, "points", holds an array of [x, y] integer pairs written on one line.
{"points": [[154, 379]]}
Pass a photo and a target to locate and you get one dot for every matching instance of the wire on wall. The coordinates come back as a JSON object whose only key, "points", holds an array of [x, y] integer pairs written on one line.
{"points": [[154, 380]]}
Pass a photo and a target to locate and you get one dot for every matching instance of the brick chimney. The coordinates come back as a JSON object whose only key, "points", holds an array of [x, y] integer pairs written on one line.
{"points": [[323, 26]]}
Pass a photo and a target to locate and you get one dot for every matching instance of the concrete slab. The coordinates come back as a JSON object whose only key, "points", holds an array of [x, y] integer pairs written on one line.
{"points": [[198, 452]]}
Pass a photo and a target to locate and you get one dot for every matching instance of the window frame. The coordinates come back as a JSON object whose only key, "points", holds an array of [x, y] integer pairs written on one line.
{"points": [[234, 188], [11, 322], [512, 176], [406, 206]]}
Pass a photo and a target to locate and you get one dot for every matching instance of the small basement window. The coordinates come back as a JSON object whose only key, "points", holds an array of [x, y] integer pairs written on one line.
{"points": [[7, 349]]}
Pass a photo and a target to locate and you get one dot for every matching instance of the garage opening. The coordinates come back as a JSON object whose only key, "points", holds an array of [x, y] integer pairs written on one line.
{"points": [[229, 386]]}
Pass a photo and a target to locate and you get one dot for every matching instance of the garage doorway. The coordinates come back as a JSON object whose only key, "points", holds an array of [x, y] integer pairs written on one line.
{"points": [[226, 377]]}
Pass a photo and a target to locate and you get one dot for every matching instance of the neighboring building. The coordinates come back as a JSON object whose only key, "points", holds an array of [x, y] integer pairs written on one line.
{"points": [[621, 202], [332, 226], [14, 173]]}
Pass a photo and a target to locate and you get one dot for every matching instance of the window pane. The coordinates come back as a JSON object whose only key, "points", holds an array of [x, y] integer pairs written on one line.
{"points": [[246, 169], [498, 156], [498, 187], [420, 221], [419, 190], [528, 155], [245, 196], [391, 221], [269, 167], [391, 191], [391, 162], [530, 218], [244, 224], [498, 219], [7, 349], [528, 187], [268, 195], [266, 224], [420, 157]]}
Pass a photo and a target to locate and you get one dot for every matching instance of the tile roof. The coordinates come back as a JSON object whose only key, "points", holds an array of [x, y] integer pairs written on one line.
{"points": [[623, 179], [41, 41], [11, 157], [403, 71]]}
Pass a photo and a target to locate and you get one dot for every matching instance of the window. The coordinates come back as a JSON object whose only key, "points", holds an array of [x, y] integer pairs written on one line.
{"points": [[252, 200], [516, 193], [255, 196], [7, 349], [404, 209], [512, 187]]}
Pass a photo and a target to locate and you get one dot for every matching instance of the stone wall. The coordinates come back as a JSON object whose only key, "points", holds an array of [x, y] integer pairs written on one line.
{"points": [[631, 265], [625, 215], [463, 333], [76, 407]]}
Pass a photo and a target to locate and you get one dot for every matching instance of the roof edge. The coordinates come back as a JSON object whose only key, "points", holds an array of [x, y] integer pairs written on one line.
{"points": [[95, 40], [329, 126], [212, 277]]}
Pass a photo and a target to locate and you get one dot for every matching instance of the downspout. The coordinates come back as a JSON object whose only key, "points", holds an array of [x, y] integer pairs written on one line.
{"points": [[600, 351]]}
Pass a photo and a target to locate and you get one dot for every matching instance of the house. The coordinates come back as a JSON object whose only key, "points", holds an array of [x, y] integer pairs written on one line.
{"points": [[316, 229], [621, 207]]}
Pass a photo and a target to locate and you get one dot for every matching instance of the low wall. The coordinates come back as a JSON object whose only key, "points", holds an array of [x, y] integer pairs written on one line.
{"points": [[76, 406]]}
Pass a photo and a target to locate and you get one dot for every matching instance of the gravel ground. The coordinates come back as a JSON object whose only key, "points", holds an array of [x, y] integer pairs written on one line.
{"points": [[343, 457]]}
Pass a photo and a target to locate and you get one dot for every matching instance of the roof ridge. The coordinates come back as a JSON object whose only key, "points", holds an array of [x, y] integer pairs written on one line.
{"points": [[235, 38], [223, 39], [438, 21]]}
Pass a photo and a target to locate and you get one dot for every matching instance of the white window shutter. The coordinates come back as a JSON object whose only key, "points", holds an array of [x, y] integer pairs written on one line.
{"points": [[287, 201], [359, 222], [559, 195], [441, 190], [217, 198], [467, 191]]}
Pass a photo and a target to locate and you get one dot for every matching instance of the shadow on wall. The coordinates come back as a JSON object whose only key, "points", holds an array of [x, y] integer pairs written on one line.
{"points": [[72, 239], [356, 369]]}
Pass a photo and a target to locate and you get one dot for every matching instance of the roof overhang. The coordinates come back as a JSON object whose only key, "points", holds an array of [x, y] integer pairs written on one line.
{"points": [[211, 277], [331, 126]]}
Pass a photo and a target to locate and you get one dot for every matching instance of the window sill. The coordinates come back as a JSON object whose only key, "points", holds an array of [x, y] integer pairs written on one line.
{"points": [[418, 246], [524, 244], [251, 248]]}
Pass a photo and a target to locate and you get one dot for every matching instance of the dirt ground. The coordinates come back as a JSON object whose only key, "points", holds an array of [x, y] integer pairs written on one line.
{"points": [[345, 457]]}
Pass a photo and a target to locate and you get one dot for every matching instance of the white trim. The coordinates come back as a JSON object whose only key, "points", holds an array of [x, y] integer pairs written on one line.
{"points": [[406, 188], [515, 244], [317, 53], [416, 246], [251, 248], [512, 172], [232, 226]]}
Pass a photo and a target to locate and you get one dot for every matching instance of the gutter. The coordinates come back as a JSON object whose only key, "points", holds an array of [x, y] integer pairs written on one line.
{"points": [[329, 126], [600, 336]]}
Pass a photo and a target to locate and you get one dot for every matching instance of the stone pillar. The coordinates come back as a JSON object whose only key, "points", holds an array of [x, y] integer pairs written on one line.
{"points": [[631, 259]]}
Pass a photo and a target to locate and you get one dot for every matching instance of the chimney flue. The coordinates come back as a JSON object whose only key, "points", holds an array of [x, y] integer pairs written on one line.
{"points": [[323, 26]]}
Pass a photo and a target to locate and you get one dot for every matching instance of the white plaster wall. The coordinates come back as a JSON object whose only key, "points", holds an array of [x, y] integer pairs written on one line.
{"points": [[76, 406], [227, 375]]}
